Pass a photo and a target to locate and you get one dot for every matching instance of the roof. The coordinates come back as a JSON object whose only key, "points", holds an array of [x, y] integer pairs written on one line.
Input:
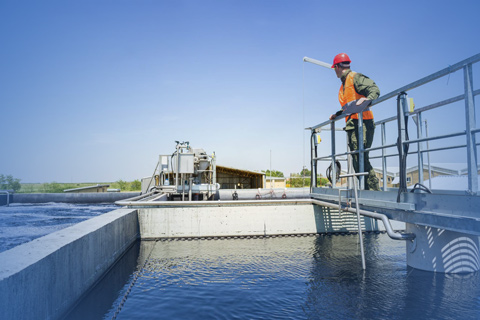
{"points": [[456, 182], [275, 178], [465, 170], [98, 186], [446, 168], [241, 172], [391, 171]]}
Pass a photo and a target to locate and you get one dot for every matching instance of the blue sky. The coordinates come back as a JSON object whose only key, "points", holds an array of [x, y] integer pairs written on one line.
{"points": [[94, 91]]}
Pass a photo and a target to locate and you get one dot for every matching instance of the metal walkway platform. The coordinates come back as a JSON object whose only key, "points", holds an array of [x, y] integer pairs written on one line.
{"points": [[453, 212]]}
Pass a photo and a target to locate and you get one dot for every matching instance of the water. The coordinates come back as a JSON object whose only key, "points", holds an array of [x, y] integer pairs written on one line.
{"points": [[277, 278], [20, 223]]}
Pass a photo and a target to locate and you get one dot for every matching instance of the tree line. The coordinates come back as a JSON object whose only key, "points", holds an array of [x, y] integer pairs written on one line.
{"points": [[297, 180], [8, 182]]}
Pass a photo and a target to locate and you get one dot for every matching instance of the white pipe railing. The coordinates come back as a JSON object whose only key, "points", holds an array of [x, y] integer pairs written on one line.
{"points": [[7, 192]]}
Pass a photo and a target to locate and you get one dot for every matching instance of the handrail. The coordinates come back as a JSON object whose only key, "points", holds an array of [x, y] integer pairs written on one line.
{"points": [[430, 78], [469, 132], [411, 86], [8, 192]]}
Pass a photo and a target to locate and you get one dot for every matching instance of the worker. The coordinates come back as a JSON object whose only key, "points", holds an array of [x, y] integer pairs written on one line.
{"points": [[356, 86]]}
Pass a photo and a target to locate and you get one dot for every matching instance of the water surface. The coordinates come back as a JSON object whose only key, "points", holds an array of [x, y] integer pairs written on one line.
{"points": [[283, 278], [20, 223]]}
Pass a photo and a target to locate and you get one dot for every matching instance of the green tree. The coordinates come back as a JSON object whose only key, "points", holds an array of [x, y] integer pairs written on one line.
{"points": [[322, 181], [9, 183], [298, 181], [305, 172], [302, 179], [135, 185], [273, 173], [55, 187], [120, 184]]}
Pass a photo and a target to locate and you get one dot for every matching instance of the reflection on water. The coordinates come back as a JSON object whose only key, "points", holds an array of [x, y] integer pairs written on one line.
{"points": [[289, 278]]}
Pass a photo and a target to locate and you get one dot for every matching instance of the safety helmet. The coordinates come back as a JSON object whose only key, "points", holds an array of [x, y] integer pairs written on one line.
{"points": [[341, 57]]}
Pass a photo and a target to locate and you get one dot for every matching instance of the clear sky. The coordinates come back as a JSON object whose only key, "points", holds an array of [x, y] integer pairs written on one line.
{"points": [[94, 91]]}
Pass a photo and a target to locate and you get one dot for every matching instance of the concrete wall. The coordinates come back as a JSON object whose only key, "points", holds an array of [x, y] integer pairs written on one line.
{"points": [[244, 220], [103, 197], [44, 278]]}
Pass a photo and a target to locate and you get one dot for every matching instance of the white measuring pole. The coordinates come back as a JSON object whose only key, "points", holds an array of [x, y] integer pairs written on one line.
{"points": [[318, 62], [360, 237]]}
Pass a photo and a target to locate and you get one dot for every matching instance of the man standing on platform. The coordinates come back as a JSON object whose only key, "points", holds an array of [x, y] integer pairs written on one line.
{"points": [[357, 87]]}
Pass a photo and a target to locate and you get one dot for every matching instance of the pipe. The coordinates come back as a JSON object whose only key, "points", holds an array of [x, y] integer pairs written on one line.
{"points": [[161, 197], [357, 211], [183, 187], [190, 189], [177, 168], [318, 62], [386, 222], [146, 195]]}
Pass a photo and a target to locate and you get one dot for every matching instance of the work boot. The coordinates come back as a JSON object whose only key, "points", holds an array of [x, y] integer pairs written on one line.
{"points": [[372, 182]]}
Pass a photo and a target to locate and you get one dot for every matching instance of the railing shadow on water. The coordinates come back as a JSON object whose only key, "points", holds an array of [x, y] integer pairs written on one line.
{"points": [[469, 131]]}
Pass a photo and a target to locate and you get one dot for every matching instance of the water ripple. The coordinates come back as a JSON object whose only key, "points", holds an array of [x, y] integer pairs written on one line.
{"points": [[293, 278]]}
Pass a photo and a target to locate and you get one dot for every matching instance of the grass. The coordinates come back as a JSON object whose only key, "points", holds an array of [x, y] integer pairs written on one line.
{"points": [[58, 187]]}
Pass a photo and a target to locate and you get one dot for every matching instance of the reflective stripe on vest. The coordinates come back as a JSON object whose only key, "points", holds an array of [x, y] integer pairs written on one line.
{"points": [[349, 95]]}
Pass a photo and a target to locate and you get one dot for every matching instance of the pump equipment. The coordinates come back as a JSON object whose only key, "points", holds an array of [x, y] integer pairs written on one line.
{"points": [[187, 172]]}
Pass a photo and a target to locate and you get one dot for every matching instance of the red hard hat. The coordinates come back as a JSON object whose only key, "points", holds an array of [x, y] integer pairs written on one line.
{"points": [[341, 57]]}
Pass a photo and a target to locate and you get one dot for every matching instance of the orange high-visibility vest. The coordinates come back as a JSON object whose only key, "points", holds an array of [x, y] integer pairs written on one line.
{"points": [[349, 94]]}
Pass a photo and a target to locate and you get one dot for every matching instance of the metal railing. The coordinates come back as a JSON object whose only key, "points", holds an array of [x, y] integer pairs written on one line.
{"points": [[403, 141], [7, 193]]}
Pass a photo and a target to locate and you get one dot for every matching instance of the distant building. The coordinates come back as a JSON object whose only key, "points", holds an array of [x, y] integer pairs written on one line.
{"points": [[456, 182], [275, 182], [412, 174], [228, 178], [445, 176], [231, 178]]}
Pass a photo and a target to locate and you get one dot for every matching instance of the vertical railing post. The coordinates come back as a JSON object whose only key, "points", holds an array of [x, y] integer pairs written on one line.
{"points": [[334, 167], [313, 161], [361, 147], [350, 179], [402, 137], [470, 125], [428, 158], [420, 148], [384, 158]]}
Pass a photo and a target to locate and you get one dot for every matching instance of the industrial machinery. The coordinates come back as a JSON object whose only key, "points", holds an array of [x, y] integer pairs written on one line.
{"points": [[187, 173]]}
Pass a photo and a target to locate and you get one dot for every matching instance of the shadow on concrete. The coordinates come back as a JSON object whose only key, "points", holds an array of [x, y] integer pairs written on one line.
{"points": [[96, 302]]}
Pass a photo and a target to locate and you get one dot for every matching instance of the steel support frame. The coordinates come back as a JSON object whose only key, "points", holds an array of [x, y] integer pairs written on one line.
{"points": [[420, 148], [334, 166], [384, 158], [402, 136], [470, 123], [361, 154]]}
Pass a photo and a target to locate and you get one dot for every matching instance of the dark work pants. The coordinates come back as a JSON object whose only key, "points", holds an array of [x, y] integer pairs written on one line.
{"points": [[368, 133]]}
